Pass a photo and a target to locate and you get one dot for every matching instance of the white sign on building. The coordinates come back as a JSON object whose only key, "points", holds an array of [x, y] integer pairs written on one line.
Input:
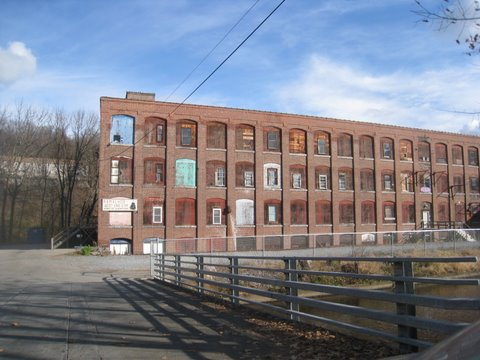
{"points": [[119, 204]]}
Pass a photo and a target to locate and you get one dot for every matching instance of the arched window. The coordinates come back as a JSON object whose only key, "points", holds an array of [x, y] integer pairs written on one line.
{"points": [[155, 131], [322, 143], [245, 212], [441, 153], [216, 173], [245, 137], [122, 131], [298, 177], [216, 135], [346, 212], [244, 175], [386, 148], [121, 170], [298, 212], [366, 147], [344, 145], [345, 179], [368, 212], [187, 133], [215, 211], [185, 211], [423, 151], [457, 155], [154, 171], [367, 180], [273, 212], [185, 173], [272, 176], [442, 211], [407, 181], [406, 150], [152, 211], [408, 212], [297, 141], [389, 212], [272, 139], [120, 218], [442, 183], [322, 178], [388, 180], [472, 156], [323, 212]]}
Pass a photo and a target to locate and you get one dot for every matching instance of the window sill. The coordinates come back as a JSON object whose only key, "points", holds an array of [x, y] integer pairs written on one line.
{"points": [[366, 158], [245, 226], [219, 226], [273, 225], [161, 225], [457, 165], [216, 149], [186, 147], [216, 187], [121, 185], [244, 188], [408, 161], [323, 155], [324, 190], [345, 157], [299, 225], [245, 151], [153, 185], [384, 159], [155, 145], [273, 188], [472, 166], [345, 191], [272, 152], [441, 163], [298, 154], [120, 226], [184, 187], [299, 190], [186, 226]]}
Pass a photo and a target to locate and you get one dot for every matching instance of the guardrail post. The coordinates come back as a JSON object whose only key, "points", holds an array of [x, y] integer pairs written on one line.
{"points": [[291, 275], [200, 274], [177, 270], [404, 269], [233, 280]]}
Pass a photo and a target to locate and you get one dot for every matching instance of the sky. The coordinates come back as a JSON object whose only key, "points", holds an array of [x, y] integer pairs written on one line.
{"points": [[370, 60]]}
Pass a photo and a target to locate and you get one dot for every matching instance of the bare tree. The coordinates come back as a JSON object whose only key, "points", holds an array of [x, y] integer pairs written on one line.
{"points": [[462, 15]]}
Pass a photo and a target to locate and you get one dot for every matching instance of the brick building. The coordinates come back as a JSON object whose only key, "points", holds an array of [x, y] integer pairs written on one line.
{"points": [[190, 171]]}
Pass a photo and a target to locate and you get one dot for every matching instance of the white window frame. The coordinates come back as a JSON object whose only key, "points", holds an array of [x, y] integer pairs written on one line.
{"points": [[216, 216], [114, 172], [296, 180], [220, 176], [272, 214], [248, 178], [342, 181], [157, 215], [159, 133], [389, 210], [158, 166], [388, 180], [323, 182]]}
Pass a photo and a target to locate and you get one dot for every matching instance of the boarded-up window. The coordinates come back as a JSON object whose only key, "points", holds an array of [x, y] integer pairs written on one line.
{"points": [[273, 212], [244, 175], [185, 211], [245, 212], [441, 153], [121, 170], [215, 212], [323, 212], [459, 212], [245, 137], [155, 130], [386, 147], [408, 212], [346, 212], [298, 212], [423, 151], [271, 139], [457, 155], [368, 212], [389, 212], [216, 175], [216, 136], [367, 180], [442, 212], [298, 178], [472, 156], [154, 171], [344, 145], [366, 147], [406, 150], [299, 242], [297, 141], [185, 173], [118, 218], [122, 131], [458, 184], [442, 183], [152, 211], [322, 143], [187, 133]]}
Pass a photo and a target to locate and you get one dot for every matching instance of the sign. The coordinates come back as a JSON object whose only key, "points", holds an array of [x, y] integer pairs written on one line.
{"points": [[119, 204]]}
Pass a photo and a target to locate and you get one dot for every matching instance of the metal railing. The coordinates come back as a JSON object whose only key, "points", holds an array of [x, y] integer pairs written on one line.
{"points": [[297, 287]]}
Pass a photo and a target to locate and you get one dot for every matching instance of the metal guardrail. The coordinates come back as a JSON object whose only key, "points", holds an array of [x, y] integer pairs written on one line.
{"points": [[287, 281]]}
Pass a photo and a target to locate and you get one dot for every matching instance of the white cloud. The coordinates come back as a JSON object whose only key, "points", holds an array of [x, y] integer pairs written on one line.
{"points": [[16, 61], [422, 100]]}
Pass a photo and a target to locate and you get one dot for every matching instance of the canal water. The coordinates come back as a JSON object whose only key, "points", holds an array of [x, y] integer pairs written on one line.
{"points": [[451, 291]]}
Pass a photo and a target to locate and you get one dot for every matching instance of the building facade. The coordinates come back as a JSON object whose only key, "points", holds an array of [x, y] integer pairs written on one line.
{"points": [[180, 171]]}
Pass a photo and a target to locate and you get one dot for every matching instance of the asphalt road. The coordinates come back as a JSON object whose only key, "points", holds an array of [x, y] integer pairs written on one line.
{"points": [[54, 305]]}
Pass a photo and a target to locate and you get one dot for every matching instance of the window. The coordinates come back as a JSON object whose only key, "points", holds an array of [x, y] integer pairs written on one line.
{"points": [[120, 218], [244, 175], [423, 151], [366, 147], [389, 212], [121, 171], [408, 213], [215, 214], [346, 212], [322, 174], [474, 185], [459, 212], [152, 211], [245, 137], [442, 183], [322, 182], [297, 141], [441, 153], [186, 133], [388, 181], [458, 185], [273, 212], [272, 139], [157, 212], [216, 173], [322, 143], [245, 212], [344, 145], [154, 171], [457, 155], [154, 131], [185, 173], [387, 148], [122, 131], [298, 177], [407, 181], [345, 179], [216, 135], [323, 212], [442, 212], [185, 212], [367, 180], [472, 156], [298, 212], [368, 212], [425, 183], [272, 175], [406, 152]]}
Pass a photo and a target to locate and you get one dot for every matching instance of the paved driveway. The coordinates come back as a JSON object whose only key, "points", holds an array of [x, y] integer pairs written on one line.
{"points": [[54, 305]]}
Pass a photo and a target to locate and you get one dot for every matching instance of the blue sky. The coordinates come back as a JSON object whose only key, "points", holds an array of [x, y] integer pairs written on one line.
{"points": [[369, 60]]}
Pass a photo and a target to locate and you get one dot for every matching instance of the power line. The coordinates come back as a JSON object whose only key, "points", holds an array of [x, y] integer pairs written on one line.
{"points": [[211, 51]]}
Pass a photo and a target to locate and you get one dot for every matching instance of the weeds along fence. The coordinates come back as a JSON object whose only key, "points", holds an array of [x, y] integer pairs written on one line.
{"points": [[332, 244], [302, 288]]}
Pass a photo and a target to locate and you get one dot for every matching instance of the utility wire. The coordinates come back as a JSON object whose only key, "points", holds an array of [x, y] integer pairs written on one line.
{"points": [[211, 51]]}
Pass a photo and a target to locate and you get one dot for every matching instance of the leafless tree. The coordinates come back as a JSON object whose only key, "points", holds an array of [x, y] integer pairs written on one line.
{"points": [[461, 15]]}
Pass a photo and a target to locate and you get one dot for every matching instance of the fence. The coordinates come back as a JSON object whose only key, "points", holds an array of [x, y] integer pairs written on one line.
{"points": [[326, 244], [291, 286]]}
